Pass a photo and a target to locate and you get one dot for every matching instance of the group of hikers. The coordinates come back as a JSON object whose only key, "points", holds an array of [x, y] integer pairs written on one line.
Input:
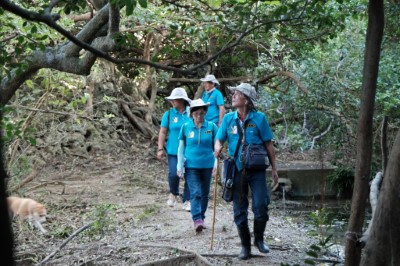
{"points": [[197, 130]]}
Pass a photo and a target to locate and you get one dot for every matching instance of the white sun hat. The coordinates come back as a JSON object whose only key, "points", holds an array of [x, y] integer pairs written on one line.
{"points": [[246, 89], [178, 93], [210, 78], [198, 103]]}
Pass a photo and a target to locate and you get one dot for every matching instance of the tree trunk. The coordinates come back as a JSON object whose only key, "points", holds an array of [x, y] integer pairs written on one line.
{"points": [[6, 236], [384, 146], [364, 132], [383, 246], [212, 48]]}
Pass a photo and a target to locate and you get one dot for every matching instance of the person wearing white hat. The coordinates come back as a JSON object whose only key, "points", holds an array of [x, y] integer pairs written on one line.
{"points": [[244, 129], [171, 124], [196, 159], [214, 97]]}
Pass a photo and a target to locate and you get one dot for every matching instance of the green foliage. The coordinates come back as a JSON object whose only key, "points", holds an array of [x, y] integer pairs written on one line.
{"points": [[13, 129], [63, 232], [104, 222], [320, 42], [342, 179], [322, 221], [73, 6], [148, 211], [19, 170]]}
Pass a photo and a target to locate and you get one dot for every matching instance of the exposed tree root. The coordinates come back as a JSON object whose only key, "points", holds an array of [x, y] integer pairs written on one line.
{"points": [[137, 122]]}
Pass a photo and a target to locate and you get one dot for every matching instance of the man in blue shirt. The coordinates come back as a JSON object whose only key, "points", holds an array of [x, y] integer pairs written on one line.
{"points": [[214, 97], [251, 128]]}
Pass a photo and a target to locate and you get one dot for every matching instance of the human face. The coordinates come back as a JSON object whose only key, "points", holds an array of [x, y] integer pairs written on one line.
{"points": [[177, 103], [238, 99], [208, 85], [198, 115]]}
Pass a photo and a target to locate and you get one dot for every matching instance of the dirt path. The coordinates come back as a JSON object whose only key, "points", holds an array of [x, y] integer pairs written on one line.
{"points": [[139, 227]]}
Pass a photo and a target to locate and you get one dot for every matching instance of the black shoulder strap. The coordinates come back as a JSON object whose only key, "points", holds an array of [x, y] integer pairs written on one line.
{"points": [[169, 116], [241, 133], [212, 131]]}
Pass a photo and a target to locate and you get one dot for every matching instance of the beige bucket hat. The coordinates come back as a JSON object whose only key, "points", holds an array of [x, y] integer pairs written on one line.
{"points": [[198, 103], [179, 93], [246, 89], [210, 78]]}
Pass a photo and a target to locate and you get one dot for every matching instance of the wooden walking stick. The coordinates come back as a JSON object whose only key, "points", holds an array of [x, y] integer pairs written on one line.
{"points": [[214, 205]]}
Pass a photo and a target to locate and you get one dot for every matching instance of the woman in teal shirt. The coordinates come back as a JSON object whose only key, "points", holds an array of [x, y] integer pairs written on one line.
{"points": [[196, 159], [171, 124], [214, 98]]}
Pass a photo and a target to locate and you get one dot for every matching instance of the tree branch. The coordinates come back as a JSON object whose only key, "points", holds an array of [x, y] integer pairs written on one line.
{"points": [[231, 79], [50, 20], [287, 74], [74, 234]]}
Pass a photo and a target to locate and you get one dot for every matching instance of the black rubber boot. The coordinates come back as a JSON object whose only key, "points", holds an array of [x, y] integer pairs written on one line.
{"points": [[245, 241], [259, 228]]}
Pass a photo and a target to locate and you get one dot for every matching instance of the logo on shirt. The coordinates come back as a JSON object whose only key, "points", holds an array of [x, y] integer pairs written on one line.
{"points": [[174, 119], [233, 130], [191, 135], [208, 132], [251, 125]]}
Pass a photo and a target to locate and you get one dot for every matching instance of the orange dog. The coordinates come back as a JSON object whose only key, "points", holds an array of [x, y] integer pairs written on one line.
{"points": [[28, 209]]}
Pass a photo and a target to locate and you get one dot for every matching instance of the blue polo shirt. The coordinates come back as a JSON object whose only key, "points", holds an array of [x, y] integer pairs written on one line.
{"points": [[173, 121], [256, 132], [216, 99], [199, 144]]}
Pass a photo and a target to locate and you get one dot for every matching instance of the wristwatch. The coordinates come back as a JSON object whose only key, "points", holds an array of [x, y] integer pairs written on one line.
{"points": [[160, 149]]}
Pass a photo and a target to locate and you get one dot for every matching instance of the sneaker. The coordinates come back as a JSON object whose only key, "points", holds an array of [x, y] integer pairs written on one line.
{"points": [[186, 206], [171, 200], [198, 225]]}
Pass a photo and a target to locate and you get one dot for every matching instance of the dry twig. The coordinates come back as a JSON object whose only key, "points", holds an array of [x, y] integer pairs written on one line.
{"points": [[27, 179], [200, 260], [74, 234]]}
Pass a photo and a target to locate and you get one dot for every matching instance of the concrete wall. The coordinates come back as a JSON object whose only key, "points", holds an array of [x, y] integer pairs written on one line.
{"points": [[308, 182]]}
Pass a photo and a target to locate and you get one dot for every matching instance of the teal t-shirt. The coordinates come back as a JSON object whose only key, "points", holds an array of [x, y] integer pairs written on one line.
{"points": [[256, 132], [216, 99], [173, 121], [199, 144]]}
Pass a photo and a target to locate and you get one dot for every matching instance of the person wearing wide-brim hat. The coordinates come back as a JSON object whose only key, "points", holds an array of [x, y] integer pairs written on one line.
{"points": [[252, 128], [214, 97], [196, 159], [171, 124]]}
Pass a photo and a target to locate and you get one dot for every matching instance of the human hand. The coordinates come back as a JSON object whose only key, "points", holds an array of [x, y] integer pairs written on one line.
{"points": [[275, 177], [214, 172], [160, 154], [180, 173], [217, 153]]}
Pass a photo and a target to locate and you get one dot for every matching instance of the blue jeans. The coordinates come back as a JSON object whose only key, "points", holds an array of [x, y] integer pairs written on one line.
{"points": [[199, 181], [173, 179], [257, 182]]}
